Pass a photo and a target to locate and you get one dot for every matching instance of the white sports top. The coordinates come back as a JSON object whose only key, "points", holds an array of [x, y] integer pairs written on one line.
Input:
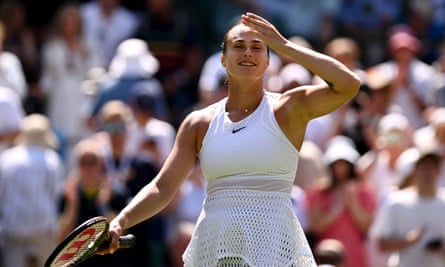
{"points": [[252, 153], [247, 218]]}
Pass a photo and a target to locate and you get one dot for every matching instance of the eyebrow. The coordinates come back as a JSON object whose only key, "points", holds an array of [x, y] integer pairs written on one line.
{"points": [[244, 41]]}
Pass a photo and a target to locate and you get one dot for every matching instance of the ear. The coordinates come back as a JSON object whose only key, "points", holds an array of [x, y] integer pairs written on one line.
{"points": [[223, 60]]}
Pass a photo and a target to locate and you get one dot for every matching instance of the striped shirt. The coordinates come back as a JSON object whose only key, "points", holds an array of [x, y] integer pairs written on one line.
{"points": [[30, 185]]}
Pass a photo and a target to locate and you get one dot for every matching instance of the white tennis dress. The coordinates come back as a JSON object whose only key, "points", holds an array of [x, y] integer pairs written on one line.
{"points": [[247, 218]]}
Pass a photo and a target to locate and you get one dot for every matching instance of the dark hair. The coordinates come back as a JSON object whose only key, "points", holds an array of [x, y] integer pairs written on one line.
{"points": [[333, 181]]}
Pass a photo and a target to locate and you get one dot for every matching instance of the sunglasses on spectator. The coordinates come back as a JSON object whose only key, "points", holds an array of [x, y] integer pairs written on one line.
{"points": [[115, 127]]}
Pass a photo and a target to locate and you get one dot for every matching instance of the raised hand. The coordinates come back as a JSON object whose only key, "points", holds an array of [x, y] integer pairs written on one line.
{"points": [[264, 30]]}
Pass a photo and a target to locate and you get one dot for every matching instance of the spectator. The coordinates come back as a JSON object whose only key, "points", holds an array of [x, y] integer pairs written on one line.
{"points": [[116, 138], [20, 40], [107, 23], [342, 207], [151, 248], [437, 96], [378, 166], [433, 134], [410, 222], [143, 102], [66, 59], [133, 63], [31, 179], [11, 117], [11, 69], [404, 167], [175, 41], [412, 79], [88, 194]]}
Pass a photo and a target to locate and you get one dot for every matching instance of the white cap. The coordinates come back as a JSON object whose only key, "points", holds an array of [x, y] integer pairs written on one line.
{"points": [[406, 162], [341, 148], [391, 122]]}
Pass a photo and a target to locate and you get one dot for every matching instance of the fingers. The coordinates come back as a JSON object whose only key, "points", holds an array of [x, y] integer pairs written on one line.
{"points": [[265, 30], [254, 17], [256, 22], [114, 245]]}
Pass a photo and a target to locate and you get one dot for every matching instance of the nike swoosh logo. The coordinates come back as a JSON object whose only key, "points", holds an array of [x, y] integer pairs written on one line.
{"points": [[237, 130]]}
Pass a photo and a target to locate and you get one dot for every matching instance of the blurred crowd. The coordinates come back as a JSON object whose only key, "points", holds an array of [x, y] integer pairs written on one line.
{"points": [[90, 104]]}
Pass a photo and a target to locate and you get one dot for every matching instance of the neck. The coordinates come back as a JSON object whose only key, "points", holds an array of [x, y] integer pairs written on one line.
{"points": [[426, 191], [244, 97]]}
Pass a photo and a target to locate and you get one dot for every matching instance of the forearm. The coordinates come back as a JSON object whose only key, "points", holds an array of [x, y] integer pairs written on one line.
{"points": [[393, 244], [398, 243], [337, 75], [147, 203], [361, 216], [320, 221]]}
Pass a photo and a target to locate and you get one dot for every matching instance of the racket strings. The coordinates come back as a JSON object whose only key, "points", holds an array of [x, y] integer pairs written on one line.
{"points": [[82, 246]]}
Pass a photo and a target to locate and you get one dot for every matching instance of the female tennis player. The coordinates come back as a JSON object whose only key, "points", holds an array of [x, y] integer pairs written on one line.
{"points": [[248, 146]]}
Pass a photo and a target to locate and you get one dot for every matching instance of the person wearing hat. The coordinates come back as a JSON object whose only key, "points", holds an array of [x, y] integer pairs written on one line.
{"points": [[410, 221], [433, 135], [393, 134], [132, 64], [31, 177], [341, 207], [411, 78]]}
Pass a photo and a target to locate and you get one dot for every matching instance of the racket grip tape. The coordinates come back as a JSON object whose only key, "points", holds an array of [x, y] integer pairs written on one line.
{"points": [[127, 241]]}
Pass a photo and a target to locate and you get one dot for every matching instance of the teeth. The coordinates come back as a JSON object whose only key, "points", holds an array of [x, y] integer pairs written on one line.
{"points": [[247, 64]]}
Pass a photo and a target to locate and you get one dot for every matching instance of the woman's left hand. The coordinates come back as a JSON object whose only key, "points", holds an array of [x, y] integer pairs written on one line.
{"points": [[265, 30]]}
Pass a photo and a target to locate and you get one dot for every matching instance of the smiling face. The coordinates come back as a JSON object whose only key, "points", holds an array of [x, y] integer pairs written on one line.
{"points": [[243, 53]]}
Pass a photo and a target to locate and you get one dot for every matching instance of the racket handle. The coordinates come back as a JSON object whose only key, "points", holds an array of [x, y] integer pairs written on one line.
{"points": [[127, 241]]}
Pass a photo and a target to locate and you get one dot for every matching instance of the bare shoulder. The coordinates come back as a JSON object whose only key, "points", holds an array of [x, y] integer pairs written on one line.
{"points": [[197, 122], [201, 117]]}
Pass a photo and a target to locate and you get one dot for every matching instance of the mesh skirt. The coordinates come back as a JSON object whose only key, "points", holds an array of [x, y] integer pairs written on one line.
{"points": [[242, 228]]}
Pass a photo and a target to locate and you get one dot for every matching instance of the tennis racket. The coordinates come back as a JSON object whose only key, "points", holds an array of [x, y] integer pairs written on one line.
{"points": [[83, 242]]}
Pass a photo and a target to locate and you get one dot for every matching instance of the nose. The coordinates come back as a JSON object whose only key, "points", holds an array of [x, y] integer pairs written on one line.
{"points": [[247, 52]]}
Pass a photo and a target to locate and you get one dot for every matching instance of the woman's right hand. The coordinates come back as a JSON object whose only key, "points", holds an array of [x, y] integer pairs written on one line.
{"points": [[115, 231]]}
